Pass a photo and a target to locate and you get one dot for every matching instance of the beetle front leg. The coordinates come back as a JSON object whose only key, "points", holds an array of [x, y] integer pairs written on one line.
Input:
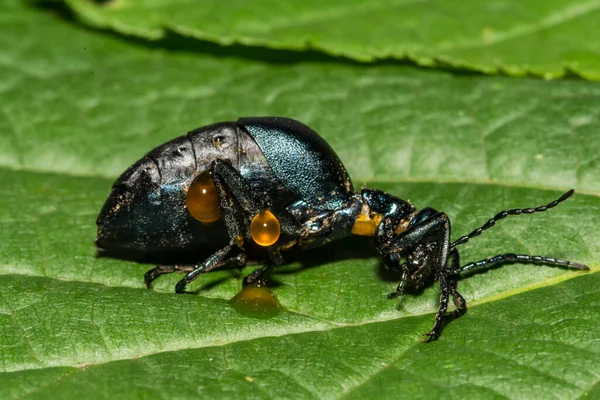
{"points": [[459, 301], [440, 316], [401, 286], [425, 245]]}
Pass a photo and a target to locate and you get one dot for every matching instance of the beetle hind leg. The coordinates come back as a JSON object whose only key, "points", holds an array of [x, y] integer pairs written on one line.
{"points": [[239, 203], [209, 265], [237, 261], [155, 272]]}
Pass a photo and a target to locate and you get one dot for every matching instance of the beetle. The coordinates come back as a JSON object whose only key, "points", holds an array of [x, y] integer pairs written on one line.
{"points": [[273, 183]]}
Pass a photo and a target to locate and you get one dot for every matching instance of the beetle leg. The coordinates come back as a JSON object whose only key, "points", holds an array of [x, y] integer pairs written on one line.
{"points": [[155, 272], [237, 261], [459, 301], [400, 288], [233, 230], [210, 264], [216, 260], [436, 330], [249, 202], [429, 239], [260, 276], [232, 186]]}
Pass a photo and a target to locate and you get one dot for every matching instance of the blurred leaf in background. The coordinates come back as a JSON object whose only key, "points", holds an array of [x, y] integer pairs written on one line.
{"points": [[547, 38], [80, 104]]}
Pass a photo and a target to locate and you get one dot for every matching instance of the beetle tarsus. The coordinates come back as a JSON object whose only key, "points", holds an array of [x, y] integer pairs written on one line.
{"points": [[154, 273], [431, 336], [259, 277], [401, 286], [180, 287]]}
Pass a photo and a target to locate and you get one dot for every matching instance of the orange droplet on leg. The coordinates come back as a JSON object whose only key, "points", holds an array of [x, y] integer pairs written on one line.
{"points": [[202, 200], [265, 228]]}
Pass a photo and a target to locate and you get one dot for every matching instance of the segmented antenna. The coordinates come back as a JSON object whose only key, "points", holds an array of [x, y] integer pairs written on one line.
{"points": [[506, 213], [518, 258]]}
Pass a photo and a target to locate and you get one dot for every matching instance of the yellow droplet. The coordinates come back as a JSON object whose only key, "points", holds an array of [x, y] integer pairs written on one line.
{"points": [[265, 229], [256, 301], [202, 200]]}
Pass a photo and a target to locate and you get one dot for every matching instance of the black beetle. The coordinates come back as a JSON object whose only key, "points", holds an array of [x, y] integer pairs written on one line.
{"points": [[274, 183]]}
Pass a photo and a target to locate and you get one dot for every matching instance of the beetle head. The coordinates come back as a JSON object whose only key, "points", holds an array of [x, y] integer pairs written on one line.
{"points": [[418, 267]]}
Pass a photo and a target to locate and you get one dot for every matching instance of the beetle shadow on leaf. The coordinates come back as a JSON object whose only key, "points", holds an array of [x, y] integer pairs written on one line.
{"points": [[214, 283], [350, 248], [353, 247], [155, 257]]}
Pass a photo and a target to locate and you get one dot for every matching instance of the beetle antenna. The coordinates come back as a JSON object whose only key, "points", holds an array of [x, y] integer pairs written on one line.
{"points": [[517, 258], [506, 213]]}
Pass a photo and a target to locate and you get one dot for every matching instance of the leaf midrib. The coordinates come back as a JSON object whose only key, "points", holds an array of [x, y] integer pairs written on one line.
{"points": [[333, 325]]}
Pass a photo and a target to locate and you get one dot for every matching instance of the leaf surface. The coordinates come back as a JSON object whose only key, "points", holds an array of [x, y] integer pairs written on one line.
{"points": [[72, 118]]}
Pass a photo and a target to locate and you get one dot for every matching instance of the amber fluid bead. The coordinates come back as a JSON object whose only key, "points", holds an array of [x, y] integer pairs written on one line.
{"points": [[202, 200], [265, 228]]}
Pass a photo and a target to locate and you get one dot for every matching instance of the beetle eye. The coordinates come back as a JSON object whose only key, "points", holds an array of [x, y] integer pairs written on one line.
{"points": [[202, 200], [264, 228]]}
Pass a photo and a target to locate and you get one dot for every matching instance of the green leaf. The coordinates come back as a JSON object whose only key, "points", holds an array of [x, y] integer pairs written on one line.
{"points": [[490, 353], [539, 37], [80, 106]]}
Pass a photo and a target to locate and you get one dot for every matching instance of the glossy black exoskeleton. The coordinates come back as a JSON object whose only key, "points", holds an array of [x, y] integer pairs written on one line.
{"points": [[277, 185]]}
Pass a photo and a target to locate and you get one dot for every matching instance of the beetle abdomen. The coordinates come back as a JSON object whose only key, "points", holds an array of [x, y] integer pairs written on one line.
{"points": [[283, 161], [146, 209]]}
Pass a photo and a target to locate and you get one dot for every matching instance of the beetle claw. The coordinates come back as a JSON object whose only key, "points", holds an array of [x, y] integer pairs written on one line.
{"points": [[431, 336], [180, 287]]}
